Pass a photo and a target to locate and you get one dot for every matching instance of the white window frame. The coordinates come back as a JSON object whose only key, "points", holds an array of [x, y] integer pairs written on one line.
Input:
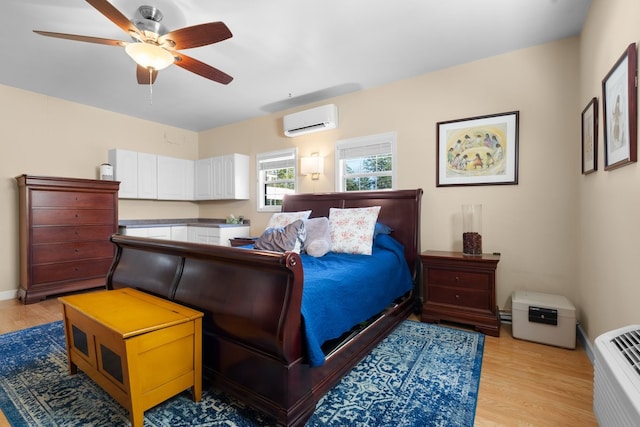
{"points": [[364, 146], [274, 156]]}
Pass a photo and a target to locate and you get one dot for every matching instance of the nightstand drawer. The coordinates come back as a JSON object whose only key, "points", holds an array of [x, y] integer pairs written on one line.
{"points": [[464, 279], [459, 297]]}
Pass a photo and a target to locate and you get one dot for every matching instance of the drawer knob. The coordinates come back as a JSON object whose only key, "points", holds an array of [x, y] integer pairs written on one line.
{"points": [[457, 279], [457, 296]]}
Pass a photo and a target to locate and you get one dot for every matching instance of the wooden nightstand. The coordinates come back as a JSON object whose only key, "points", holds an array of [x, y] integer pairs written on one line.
{"points": [[460, 288], [242, 241]]}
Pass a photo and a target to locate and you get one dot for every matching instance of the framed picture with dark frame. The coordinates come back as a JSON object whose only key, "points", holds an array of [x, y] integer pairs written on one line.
{"points": [[619, 111], [590, 137], [479, 150]]}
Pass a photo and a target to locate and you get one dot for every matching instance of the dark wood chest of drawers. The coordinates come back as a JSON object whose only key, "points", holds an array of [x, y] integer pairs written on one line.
{"points": [[460, 288], [65, 225]]}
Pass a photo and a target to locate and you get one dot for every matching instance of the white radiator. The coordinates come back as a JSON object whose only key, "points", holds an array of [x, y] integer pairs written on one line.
{"points": [[616, 382]]}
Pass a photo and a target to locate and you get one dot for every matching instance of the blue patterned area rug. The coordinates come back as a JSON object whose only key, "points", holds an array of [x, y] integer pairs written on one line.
{"points": [[420, 375]]}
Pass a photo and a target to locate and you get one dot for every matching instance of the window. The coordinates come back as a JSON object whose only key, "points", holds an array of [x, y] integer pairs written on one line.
{"points": [[276, 177], [366, 163]]}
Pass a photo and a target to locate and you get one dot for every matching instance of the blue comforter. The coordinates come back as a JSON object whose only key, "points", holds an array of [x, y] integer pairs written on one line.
{"points": [[342, 290]]}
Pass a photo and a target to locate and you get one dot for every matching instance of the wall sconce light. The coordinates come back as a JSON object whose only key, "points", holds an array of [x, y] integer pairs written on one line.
{"points": [[312, 165]]}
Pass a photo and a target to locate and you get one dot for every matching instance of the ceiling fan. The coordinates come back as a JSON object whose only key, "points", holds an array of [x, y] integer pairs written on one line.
{"points": [[153, 47]]}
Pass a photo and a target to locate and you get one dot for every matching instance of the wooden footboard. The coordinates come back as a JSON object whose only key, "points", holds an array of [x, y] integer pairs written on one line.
{"points": [[252, 331], [252, 328]]}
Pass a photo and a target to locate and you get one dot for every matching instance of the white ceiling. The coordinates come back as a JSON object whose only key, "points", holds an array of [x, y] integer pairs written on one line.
{"points": [[283, 53]]}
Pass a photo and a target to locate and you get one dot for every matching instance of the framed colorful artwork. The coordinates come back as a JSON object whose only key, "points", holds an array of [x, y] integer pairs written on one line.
{"points": [[590, 137], [479, 150], [619, 111]]}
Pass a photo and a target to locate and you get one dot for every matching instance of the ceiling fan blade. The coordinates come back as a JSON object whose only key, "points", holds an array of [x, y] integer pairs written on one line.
{"points": [[82, 38], [200, 68], [143, 75], [197, 35], [114, 15]]}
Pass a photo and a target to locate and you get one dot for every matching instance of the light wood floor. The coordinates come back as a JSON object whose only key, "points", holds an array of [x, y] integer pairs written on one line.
{"points": [[522, 383]]}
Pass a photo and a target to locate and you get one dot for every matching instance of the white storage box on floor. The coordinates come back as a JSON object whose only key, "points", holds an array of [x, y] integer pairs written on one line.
{"points": [[544, 318]]}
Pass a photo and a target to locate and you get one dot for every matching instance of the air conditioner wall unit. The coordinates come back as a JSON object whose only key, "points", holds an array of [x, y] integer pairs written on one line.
{"points": [[312, 120], [616, 383]]}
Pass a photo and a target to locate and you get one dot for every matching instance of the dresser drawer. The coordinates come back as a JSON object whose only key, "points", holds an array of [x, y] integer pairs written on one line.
{"points": [[463, 279], [59, 234], [72, 216], [55, 272], [74, 199], [459, 297], [56, 252]]}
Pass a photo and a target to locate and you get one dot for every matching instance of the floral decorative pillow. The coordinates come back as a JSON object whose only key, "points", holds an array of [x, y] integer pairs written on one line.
{"points": [[282, 219], [352, 229]]}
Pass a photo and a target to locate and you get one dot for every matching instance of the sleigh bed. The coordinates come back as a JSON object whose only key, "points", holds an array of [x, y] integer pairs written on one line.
{"points": [[261, 342]]}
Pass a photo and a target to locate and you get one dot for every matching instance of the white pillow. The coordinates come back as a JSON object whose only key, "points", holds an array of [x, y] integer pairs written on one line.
{"points": [[282, 219], [352, 229]]}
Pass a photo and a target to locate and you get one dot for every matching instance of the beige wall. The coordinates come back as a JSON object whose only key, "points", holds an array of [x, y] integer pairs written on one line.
{"points": [[48, 136], [532, 224], [608, 239]]}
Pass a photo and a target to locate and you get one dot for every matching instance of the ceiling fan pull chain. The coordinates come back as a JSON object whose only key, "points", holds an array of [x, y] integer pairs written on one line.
{"points": [[150, 86]]}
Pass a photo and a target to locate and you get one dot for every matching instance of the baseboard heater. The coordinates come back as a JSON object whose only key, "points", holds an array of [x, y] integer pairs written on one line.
{"points": [[616, 383]]}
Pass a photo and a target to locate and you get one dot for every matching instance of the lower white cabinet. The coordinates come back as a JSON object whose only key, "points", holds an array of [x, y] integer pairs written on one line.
{"points": [[216, 235], [180, 233], [192, 233], [151, 232]]}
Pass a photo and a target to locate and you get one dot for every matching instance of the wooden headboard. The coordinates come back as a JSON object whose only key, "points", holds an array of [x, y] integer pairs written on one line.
{"points": [[400, 210]]}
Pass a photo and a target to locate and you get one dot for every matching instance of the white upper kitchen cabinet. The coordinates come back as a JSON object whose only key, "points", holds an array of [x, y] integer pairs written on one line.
{"points": [[204, 179], [236, 176], [175, 178], [136, 173], [222, 178]]}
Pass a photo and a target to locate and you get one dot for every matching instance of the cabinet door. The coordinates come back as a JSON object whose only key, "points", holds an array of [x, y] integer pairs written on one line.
{"points": [[150, 232], [217, 165], [147, 176], [237, 176], [125, 167], [199, 235], [179, 233], [175, 178], [203, 179]]}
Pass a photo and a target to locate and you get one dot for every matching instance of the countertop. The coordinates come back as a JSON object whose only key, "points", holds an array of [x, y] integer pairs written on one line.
{"points": [[201, 222]]}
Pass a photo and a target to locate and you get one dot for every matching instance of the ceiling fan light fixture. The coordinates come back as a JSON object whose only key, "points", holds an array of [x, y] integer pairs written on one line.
{"points": [[149, 55]]}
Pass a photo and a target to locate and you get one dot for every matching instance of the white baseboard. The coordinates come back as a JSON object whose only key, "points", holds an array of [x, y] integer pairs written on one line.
{"points": [[5, 295]]}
